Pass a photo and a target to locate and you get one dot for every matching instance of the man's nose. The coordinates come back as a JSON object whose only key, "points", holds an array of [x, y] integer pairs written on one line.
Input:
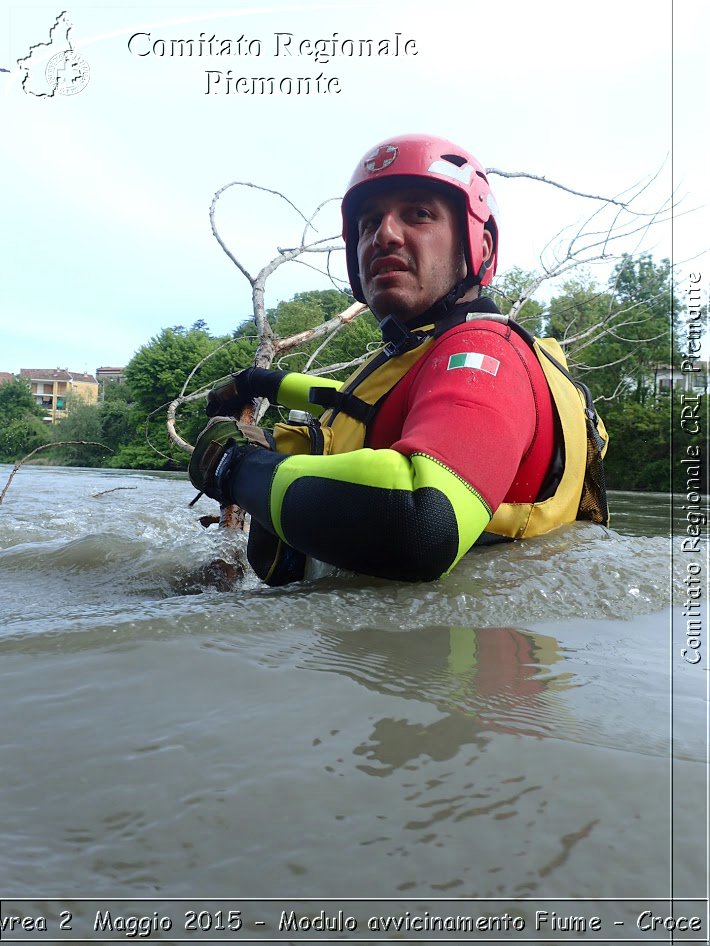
{"points": [[389, 232]]}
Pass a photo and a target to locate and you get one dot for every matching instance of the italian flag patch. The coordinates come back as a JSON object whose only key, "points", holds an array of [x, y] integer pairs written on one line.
{"points": [[473, 359]]}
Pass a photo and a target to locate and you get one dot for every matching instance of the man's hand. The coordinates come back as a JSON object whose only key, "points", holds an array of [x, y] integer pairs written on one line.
{"points": [[220, 445], [231, 397]]}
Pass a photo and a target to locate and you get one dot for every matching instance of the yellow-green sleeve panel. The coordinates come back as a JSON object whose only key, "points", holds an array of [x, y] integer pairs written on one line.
{"points": [[372, 511], [294, 388]]}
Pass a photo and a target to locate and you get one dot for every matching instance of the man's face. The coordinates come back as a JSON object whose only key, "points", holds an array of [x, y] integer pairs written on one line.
{"points": [[409, 251]]}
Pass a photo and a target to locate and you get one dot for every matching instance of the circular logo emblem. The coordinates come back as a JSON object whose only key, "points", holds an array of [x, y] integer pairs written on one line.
{"points": [[67, 73], [381, 158]]}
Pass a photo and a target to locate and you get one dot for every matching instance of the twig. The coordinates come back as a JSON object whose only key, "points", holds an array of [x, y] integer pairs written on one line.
{"points": [[325, 328], [570, 190], [281, 347], [115, 489], [47, 446]]}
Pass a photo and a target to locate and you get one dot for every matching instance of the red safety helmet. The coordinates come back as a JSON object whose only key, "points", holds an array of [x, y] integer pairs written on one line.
{"points": [[431, 162]]}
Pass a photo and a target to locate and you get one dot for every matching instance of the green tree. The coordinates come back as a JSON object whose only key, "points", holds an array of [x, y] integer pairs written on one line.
{"points": [[155, 376], [119, 417], [328, 302], [21, 425], [646, 444], [157, 372], [296, 316], [578, 317], [617, 336], [82, 423], [307, 310], [645, 291], [139, 455], [16, 400], [350, 342], [239, 353], [509, 288]]}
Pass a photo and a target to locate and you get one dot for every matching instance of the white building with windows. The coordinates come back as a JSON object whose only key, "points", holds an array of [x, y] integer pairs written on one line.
{"points": [[666, 377]]}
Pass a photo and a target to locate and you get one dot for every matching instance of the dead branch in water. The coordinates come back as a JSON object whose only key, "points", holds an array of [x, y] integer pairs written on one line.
{"points": [[231, 517], [591, 243], [115, 489], [47, 446], [583, 246]]}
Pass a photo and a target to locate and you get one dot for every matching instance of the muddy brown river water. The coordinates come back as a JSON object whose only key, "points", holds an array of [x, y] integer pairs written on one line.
{"points": [[522, 738]]}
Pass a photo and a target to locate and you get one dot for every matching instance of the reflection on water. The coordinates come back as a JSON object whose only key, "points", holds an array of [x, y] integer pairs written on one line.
{"points": [[497, 679], [505, 732]]}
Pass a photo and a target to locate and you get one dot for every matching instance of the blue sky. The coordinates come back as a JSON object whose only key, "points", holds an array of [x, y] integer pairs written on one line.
{"points": [[106, 236]]}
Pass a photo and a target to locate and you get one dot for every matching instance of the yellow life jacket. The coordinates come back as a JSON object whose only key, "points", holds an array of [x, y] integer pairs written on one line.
{"points": [[577, 490]]}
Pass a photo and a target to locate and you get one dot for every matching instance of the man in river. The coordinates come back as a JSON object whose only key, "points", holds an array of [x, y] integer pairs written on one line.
{"points": [[461, 430]]}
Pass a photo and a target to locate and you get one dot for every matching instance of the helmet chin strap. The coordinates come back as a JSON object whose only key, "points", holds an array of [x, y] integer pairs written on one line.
{"points": [[400, 336], [445, 306]]}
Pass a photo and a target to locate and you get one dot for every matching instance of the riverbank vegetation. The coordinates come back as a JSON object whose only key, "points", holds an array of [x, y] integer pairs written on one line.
{"points": [[615, 337]]}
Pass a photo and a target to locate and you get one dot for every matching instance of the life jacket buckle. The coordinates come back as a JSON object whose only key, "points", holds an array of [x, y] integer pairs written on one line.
{"points": [[397, 336]]}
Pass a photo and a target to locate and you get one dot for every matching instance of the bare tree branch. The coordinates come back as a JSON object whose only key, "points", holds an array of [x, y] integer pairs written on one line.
{"points": [[341, 366], [47, 446], [590, 243], [325, 328], [326, 341], [116, 489], [621, 386], [570, 190]]}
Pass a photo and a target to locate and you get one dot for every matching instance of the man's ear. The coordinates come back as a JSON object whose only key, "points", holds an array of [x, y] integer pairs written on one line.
{"points": [[487, 246]]}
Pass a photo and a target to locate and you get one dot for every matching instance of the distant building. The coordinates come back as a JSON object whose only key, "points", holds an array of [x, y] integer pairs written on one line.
{"points": [[111, 374], [52, 386], [666, 377], [106, 376], [6, 376]]}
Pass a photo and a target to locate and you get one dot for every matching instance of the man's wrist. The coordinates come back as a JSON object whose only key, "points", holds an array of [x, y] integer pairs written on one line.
{"points": [[224, 473], [259, 382]]}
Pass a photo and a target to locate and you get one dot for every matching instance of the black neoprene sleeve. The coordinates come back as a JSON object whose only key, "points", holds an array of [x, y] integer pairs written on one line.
{"points": [[400, 534]]}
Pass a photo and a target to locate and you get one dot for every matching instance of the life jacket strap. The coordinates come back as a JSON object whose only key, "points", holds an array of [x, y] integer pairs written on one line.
{"points": [[398, 337], [342, 401], [481, 308]]}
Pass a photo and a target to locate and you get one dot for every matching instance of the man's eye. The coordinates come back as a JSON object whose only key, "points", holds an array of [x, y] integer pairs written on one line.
{"points": [[421, 213], [368, 223]]}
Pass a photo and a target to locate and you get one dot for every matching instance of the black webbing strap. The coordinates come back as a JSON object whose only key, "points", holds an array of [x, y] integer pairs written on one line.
{"points": [[343, 402], [398, 337], [483, 304]]}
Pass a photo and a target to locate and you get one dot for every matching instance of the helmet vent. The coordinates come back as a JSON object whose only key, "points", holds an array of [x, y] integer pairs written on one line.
{"points": [[456, 159]]}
